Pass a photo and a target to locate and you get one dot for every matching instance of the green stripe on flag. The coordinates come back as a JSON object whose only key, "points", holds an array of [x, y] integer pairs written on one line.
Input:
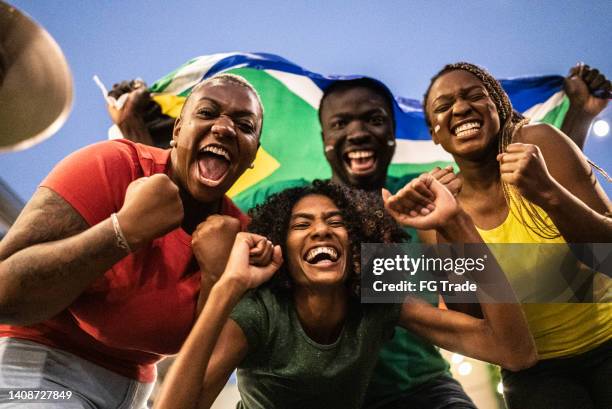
{"points": [[556, 115], [291, 131]]}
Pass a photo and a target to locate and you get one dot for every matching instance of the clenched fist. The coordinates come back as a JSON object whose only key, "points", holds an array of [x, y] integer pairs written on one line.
{"points": [[212, 242], [240, 267], [152, 208], [523, 166]]}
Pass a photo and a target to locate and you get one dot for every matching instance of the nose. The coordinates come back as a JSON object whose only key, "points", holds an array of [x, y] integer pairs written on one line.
{"points": [[461, 107], [320, 230], [223, 127], [356, 133]]}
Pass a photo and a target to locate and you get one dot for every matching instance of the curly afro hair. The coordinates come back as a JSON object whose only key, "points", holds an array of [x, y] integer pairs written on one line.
{"points": [[363, 213]]}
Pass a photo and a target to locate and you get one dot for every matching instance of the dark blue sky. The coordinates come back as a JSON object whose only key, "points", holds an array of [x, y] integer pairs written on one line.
{"points": [[403, 43]]}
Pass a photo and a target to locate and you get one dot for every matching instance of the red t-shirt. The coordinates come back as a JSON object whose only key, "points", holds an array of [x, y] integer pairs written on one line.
{"points": [[144, 306]]}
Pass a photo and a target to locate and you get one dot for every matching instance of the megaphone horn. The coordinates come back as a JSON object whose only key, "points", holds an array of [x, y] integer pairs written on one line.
{"points": [[35, 82]]}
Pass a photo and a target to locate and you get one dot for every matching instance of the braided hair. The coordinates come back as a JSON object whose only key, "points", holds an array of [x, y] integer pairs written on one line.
{"points": [[510, 123]]}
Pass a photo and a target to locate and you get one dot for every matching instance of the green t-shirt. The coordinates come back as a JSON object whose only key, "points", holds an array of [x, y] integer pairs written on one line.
{"points": [[406, 361], [285, 368]]}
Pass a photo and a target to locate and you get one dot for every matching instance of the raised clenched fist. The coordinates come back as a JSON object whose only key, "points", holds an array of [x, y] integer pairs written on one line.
{"points": [[152, 208]]}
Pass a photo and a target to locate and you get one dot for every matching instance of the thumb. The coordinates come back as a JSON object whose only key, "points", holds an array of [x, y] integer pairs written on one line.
{"points": [[385, 195], [277, 257]]}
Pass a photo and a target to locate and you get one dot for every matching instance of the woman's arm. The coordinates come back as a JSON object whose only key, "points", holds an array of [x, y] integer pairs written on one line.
{"points": [[198, 375], [550, 171], [51, 255]]}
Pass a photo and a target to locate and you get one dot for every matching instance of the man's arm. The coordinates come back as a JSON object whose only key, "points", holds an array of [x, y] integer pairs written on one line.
{"points": [[501, 336], [588, 91]]}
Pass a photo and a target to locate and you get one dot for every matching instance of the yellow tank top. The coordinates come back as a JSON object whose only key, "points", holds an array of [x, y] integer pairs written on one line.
{"points": [[560, 329]]}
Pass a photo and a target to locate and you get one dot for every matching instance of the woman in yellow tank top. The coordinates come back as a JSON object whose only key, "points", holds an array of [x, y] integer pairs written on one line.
{"points": [[530, 184]]}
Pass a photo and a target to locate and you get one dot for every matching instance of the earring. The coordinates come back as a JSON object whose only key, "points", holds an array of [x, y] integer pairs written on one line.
{"points": [[173, 143], [329, 148], [391, 142], [251, 166]]}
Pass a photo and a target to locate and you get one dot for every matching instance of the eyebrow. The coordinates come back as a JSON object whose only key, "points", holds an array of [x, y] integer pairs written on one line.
{"points": [[311, 216], [239, 113], [377, 110], [462, 91]]}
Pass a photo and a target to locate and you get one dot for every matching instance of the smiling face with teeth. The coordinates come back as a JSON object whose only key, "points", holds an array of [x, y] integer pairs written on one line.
{"points": [[317, 243], [217, 136], [468, 121], [358, 135]]}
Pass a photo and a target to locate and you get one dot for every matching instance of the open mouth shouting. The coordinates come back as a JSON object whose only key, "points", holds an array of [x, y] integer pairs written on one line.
{"points": [[322, 256], [361, 162], [466, 129], [214, 163]]}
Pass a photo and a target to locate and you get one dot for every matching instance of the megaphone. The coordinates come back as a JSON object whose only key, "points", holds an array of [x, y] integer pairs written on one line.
{"points": [[35, 82]]}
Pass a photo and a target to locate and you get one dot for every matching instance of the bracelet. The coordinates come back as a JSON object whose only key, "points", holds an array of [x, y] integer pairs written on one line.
{"points": [[119, 237]]}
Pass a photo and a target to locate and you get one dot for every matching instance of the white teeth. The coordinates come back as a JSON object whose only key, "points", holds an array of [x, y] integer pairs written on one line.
{"points": [[360, 154], [318, 250], [466, 127], [217, 151]]}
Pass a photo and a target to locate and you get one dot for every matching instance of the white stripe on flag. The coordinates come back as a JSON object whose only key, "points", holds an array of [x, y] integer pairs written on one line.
{"points": [[300, 85], [410, 151], [539, 111], [191, 74]]}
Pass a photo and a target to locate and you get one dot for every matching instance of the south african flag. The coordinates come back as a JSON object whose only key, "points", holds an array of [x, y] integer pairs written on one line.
{"points": [[291, 146]]}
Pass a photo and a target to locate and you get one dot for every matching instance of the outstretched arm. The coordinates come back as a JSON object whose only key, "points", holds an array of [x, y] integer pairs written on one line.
{"points": [[197, 376], [588, 91], [501, 336]]}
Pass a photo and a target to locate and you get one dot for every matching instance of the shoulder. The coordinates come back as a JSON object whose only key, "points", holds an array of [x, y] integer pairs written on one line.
{"points": [[561, 154], [258, 307], [546, 137], [257, 315]]}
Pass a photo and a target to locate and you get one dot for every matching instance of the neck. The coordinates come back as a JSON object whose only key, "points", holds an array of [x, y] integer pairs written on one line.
{"points": [[322, 312], [478, 175], [195, 212]]}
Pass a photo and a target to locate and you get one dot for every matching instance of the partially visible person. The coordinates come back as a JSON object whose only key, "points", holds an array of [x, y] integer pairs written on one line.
{"points": [[589, 92], [304, 340], [530, 184], [140, 119], [101, 274]]}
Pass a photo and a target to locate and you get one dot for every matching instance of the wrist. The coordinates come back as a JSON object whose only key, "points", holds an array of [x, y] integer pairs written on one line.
{"points": [[131, 234], [231, 286], [579, 110], [459, 228]]}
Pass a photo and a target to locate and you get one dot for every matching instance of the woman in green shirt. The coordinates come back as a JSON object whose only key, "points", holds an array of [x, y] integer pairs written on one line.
{"points": [[304, 340]]}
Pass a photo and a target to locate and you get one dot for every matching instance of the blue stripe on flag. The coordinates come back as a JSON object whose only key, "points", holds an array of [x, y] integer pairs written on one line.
{"points": [[524, 92]]}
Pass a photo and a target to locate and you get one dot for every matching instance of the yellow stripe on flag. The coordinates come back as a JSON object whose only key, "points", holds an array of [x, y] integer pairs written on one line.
{"points": [[265, 165], [171, 105]]}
